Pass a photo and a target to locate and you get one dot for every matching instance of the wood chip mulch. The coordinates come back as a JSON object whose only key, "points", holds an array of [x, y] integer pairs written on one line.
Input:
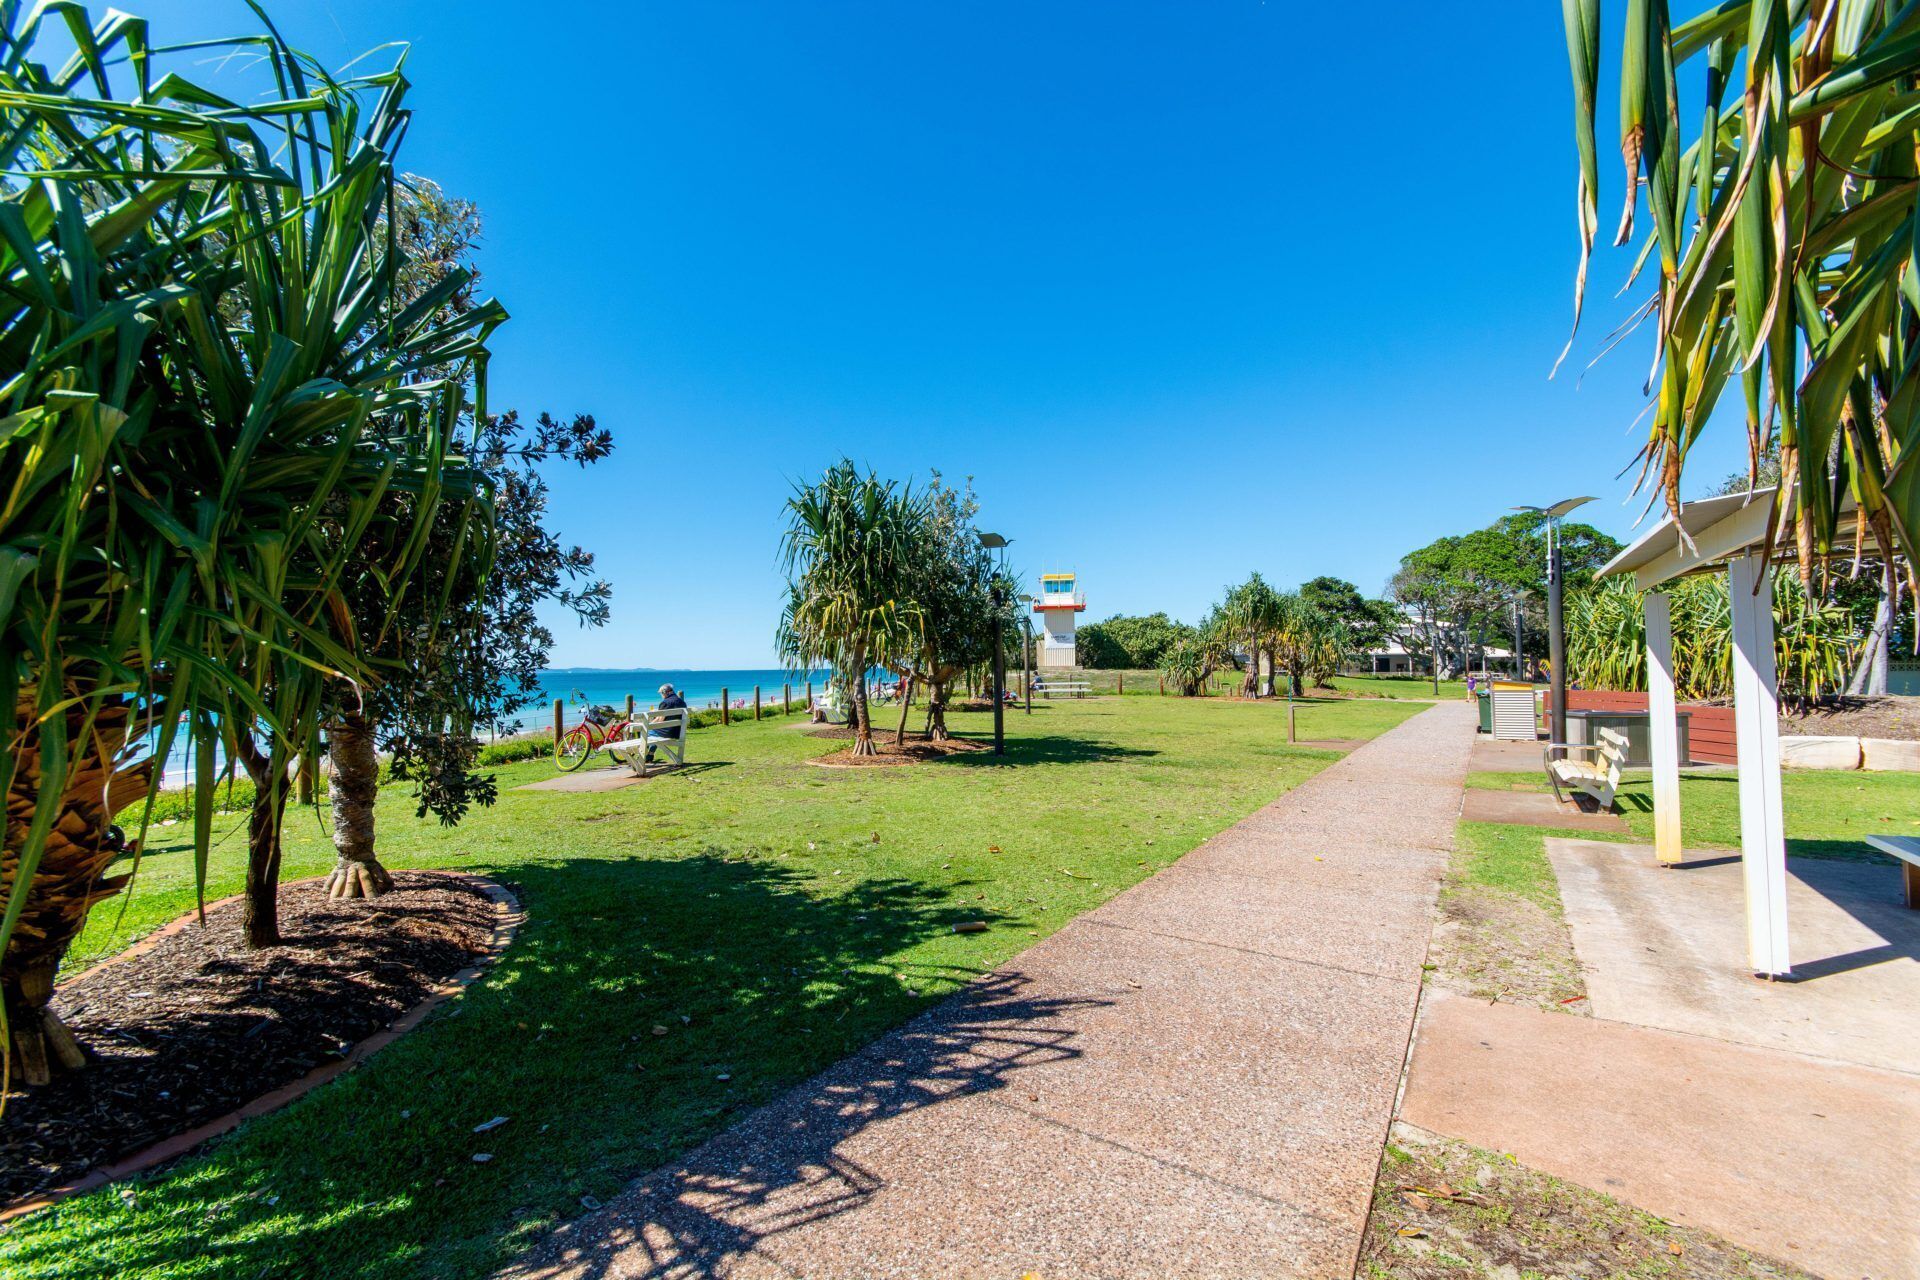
{"points": [[913, 751], [187, 1031]]}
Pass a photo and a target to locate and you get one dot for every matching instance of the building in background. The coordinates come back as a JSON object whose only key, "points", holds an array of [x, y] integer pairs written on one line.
{"points": [[1058, 603]]}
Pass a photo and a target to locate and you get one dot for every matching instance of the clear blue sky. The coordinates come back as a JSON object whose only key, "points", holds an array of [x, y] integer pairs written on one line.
{"points": [[1188, 290]]}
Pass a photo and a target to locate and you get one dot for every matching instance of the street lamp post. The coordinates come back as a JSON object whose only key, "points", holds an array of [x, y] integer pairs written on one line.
{"points": [[1556, 621], [993, 541]]}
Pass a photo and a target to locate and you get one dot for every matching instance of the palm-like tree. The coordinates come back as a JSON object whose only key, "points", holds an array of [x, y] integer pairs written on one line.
{"points": [[1247, 616], [213, 404], [1306, 643], [1786, 228], [849, 550]]}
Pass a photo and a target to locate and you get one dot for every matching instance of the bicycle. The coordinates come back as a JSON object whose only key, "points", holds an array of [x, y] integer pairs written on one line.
{"points": [[598, 726]]}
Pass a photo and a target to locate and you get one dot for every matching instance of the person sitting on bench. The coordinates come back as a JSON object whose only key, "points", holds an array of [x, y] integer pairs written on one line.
{"points": [[670, 700]]}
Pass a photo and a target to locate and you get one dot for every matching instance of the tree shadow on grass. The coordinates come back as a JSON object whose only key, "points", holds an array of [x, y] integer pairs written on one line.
{"points": [[647, 1003], [1046, 751]]}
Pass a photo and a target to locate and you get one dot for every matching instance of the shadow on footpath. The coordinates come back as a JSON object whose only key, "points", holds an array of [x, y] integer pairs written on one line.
{"points": [[783, 1169]]}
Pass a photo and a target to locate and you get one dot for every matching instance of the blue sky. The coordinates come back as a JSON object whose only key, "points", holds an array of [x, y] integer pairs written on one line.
{"points": [[1188, 290]]}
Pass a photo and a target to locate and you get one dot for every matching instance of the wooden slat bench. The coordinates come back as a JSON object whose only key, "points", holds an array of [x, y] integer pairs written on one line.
{"points": [[660, 734], [1598, 777], [1907, 850]]}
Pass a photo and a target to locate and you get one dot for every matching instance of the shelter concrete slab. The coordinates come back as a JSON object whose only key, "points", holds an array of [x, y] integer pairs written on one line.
{"points": [[1534, 809], [1156, 1089], [1792, 1157], [1495, 755], [1666, 947]]}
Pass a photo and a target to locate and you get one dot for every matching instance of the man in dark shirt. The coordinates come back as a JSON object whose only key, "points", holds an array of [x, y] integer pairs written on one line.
{"points": [[670, 700]]}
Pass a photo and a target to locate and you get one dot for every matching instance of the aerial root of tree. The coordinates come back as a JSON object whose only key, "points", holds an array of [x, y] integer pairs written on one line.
{"points": [[350, 879], [863, 745], [39, 1042]]}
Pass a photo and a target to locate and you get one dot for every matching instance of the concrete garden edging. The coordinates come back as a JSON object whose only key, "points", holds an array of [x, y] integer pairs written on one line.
{"points": [[1877, 755], [508, 916]]}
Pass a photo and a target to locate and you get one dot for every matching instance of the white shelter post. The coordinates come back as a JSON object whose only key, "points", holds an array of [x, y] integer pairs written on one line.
{"points": [[1756, 702], [1663, 727]]}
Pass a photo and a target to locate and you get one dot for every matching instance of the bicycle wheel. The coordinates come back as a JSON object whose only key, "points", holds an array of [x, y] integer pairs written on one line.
{"points": [[573, 750]]}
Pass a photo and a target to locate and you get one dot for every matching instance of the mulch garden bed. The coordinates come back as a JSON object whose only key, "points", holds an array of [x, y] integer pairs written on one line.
{"points": [[913, 751], [1851, 717], [192, 1025]]}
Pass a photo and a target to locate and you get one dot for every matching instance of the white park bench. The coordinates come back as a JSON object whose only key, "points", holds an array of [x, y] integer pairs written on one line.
{"points": [[1068, 688], [1597, 776], [1907, 849], [664, 733]]}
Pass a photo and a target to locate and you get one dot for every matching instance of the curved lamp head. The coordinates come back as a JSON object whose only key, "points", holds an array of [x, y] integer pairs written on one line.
{"points": [[991, 541]]}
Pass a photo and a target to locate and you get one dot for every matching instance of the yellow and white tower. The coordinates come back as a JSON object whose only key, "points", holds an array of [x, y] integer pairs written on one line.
{"points": [[1060, 600]]}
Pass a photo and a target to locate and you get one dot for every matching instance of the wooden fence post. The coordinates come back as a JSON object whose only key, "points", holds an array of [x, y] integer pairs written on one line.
{"points": [[629, 706], [559, 720], [1293, 723], [786, 698], [726, 708], [1122, 679], [756, 702], [1163, 686], [809, 695]]}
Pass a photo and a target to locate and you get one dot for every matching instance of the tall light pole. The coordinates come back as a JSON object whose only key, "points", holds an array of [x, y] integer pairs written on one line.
{"points": [[1556, 621], [993, 541], [1026, 649]]}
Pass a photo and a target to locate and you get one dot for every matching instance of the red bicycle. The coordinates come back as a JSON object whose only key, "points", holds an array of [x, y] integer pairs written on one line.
{"points": [[598, 726]]}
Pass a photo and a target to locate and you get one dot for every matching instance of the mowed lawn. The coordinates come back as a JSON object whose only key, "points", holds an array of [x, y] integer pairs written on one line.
{"points": [[1828, 813], [768, 915]]}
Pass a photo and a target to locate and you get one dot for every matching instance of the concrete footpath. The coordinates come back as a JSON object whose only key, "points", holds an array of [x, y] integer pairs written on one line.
{"points": [[1802, 1159], [1193, 1080]]}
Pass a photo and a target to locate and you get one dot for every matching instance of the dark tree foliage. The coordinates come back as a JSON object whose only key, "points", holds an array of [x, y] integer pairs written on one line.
{"points": [[484, 664], [1128, 642], [1368, 623]]}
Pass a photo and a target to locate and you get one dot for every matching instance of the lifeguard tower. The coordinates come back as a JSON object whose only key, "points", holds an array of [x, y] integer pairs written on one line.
{"points": [[1060, 599]]}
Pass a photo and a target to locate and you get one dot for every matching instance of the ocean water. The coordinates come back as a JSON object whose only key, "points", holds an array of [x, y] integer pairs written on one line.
{"points": [[578, 686]]}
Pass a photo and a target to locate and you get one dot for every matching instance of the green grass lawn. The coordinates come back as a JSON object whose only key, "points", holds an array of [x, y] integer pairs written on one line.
{"points": [[773, 916], [1828, 813], [1400, 687]]}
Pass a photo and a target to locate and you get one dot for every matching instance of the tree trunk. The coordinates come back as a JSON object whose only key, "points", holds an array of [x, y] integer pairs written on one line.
{"points": [[354, 786], [260, 910], [862, 718], [1250, 682], [906, 704], [937, 711], [1870, 672], [67, 882]]}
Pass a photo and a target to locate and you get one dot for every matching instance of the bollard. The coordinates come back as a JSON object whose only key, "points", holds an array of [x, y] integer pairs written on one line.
{"points": [[786, 698], [559, 721], [1293, 723], [1163, 686], [1122, 679], [756, 702], [726, 708], [629, 706]]}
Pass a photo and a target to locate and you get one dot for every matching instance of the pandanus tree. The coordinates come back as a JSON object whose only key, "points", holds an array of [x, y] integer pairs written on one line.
{"points": [[848, 551], [1785, 231], [1247, 614], [213, 405], [1306, 643]]}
